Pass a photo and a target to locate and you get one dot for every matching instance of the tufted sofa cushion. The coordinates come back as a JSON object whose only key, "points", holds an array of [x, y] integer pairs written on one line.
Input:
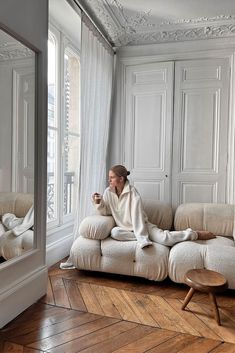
{"points": [[216, 254], [16, 203], [96, 227], [216, 218], [120, 257], [159, 213], [12, 246]]}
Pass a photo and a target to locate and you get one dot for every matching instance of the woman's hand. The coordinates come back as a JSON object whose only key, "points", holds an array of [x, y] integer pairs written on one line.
{"points": [[96, 197], [205, 235]]}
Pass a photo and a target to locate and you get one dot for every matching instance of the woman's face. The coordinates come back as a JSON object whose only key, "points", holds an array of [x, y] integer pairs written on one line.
{"points": [[115, 180]]}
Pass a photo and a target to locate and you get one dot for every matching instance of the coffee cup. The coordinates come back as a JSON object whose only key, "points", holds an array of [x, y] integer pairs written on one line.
{"points": [[97, 198]]}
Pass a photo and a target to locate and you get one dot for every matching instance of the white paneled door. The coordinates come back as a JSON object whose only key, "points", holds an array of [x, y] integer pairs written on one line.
{"points": [[178, 155], [148, 130], [200, 131], [23, 128]]}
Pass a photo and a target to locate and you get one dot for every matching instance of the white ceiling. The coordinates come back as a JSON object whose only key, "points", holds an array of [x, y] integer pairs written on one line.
{"points": [[69, 21], [131, 22]]}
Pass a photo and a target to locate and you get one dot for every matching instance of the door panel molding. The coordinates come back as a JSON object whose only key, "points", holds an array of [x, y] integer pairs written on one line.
{"points": [[148, 128], [200, 131], [23, 138]]}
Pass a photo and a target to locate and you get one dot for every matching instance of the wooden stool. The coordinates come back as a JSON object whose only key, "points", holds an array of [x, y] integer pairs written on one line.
{"points": [[206, 281]]}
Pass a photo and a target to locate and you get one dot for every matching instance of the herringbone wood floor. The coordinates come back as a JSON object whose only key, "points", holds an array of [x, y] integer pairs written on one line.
{"points": [[93, 312]]}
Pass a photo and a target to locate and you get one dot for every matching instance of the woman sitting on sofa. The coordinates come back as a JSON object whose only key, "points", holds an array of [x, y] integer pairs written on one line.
{"points": [[123, 202]]}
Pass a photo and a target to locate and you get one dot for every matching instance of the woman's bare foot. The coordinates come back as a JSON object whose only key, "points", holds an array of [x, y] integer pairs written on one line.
{"points": [[205, 235]]}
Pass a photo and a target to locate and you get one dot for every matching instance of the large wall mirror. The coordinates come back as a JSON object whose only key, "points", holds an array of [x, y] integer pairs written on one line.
{"points": [[17, 147]]}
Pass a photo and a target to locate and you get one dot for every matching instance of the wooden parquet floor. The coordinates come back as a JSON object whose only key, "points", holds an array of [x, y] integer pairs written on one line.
{"points": [[100, 313]]}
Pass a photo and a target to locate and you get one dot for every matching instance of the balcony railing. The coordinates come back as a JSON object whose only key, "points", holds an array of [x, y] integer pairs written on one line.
{"points": [[68, 195]]}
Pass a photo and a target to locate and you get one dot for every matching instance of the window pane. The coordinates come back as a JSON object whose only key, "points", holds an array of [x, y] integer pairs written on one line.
{"points": [[70, 173], [72, 90], [51, 175], [51, 81], [71, 133], [52, 133]]}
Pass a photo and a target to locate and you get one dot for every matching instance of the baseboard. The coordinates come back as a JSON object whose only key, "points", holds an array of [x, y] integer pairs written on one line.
{"points": [[20, 296], [58, 250]]}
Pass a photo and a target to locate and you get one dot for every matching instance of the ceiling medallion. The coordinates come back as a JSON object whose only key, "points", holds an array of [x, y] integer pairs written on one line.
{"points": [[137, 28]]}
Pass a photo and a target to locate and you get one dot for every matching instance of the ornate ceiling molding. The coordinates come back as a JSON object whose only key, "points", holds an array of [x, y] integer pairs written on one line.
{"points": [[196, 33], [14, 51], [138, 28], [200, 20]]}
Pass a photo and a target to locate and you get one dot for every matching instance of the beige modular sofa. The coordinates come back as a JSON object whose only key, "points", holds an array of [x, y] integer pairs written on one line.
{"points": [[95, 250], [18, 204]]}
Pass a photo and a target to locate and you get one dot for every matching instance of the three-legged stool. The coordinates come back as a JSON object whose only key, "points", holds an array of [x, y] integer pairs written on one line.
{"points": [[206, 281]]}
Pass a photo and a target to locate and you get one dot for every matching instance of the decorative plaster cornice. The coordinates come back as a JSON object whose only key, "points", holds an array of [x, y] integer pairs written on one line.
{"points": [[139, 27], [13, 51], [195, 33], [199, 20]]}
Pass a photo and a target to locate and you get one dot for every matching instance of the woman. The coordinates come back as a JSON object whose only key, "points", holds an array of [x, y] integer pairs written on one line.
{"points": [[123, 202]]}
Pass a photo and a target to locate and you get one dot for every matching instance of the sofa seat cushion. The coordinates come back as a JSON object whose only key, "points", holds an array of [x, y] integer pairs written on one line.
{"points": [[86, 253], [222, 259], [203, 254], [121, 257], [96, 227], [216, 218]]}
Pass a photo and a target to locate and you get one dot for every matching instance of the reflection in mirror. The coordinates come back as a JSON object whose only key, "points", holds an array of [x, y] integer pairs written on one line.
{"points": [[17, 115]]}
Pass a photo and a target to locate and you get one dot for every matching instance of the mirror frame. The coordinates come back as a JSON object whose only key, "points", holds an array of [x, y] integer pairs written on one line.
{"points": [[13, 132], [40, 157], [24, 279]]}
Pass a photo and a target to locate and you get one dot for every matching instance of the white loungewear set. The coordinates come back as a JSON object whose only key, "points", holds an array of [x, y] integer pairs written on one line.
{"points": [[132, 222]]}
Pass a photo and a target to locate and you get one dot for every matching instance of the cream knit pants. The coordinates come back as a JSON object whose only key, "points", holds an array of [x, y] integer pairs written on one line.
{"points": [[164, 237]]}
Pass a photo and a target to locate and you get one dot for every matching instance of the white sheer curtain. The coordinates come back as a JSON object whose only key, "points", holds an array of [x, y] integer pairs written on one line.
{"points": [[97, 61]]}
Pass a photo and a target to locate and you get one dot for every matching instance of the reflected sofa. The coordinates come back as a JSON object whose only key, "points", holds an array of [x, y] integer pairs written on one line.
{"points": [[18, 204], [95, 250]]}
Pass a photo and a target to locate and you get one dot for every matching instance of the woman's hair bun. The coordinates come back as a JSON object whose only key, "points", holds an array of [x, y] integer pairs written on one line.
{"points": [[120, 170]]}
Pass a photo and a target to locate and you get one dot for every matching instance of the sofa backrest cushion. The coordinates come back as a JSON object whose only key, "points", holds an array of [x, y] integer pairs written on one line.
{"points": [[159, 213], [16, 203], [216, 218]]}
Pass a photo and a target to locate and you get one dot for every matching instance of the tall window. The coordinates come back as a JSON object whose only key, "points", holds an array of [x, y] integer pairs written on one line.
{"points": [[63, 128]]}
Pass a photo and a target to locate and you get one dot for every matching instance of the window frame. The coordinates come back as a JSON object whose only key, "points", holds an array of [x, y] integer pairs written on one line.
{"points": [[63, 42]]}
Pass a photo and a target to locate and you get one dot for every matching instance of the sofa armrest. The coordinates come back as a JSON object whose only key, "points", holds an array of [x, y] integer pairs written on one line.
{"points": [[96, 227]]}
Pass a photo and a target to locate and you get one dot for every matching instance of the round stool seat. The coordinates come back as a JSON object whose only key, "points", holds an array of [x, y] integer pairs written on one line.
{"points": [[206, 281]]}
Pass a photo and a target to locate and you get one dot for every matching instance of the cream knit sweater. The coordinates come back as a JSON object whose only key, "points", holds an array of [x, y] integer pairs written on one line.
{"points": [[127, 210], [128, 213]]}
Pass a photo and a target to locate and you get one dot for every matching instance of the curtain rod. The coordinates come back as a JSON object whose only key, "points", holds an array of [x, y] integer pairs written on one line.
{"points": [[81, 7]]}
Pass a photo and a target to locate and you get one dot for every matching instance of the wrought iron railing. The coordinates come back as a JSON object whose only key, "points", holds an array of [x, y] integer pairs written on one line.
{"points": [[68, 195]]}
